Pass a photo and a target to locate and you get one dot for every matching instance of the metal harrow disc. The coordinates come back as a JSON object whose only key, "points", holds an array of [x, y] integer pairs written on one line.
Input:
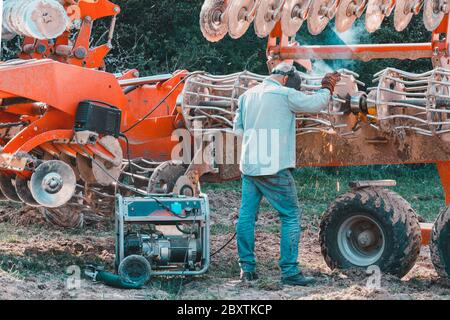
{"points": [[348, 11], [186, 185], [8, 188], [240, 16], [267, 15], [165, 176], [53, 183], [24, 193], [37, 19], [433, 13], [376, 11], [404, 10], [214, 19], [71, 162], [320, 13], [407, 101], [293, 15], [101, 170], [105, 172], [84, 166], [390, 90]]}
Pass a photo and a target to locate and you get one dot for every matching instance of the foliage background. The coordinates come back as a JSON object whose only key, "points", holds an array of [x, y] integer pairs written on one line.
{"points": [[161, 36]]}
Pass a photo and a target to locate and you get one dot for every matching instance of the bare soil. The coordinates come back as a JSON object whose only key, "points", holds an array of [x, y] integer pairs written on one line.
{"points": [[34, 256]]}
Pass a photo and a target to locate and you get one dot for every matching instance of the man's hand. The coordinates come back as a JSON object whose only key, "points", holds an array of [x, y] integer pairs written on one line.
{"points": [[330, 80]]}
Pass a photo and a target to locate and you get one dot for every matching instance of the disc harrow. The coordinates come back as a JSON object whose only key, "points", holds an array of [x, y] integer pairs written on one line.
{"points": [[210, 102], [219, 17], [408, 101], [400, 101]]}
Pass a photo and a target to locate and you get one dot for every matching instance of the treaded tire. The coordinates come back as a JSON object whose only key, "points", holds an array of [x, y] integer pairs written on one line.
{"points": [[393, 214], [440, 244]]}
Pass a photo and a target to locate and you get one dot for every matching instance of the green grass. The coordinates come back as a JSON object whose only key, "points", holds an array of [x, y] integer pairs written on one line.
{"points": [[317, 187]]}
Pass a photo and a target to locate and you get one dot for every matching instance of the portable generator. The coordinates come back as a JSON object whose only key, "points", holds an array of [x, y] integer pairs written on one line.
{"points": [[161, 235]]}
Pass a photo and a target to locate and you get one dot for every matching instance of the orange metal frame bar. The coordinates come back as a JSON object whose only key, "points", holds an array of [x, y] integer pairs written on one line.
{"points": [[363, 52]]}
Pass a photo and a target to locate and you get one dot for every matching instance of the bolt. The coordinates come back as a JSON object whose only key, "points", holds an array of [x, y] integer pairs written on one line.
{"points": [[217, 16], [52, 183], [40, 48], [80, 53], [366, 238]]}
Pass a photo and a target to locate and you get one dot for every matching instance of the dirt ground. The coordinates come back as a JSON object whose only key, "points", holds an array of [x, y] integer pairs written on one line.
{"points": [[34, 256]]}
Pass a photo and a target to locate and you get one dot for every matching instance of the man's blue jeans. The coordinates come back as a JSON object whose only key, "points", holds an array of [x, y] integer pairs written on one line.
{"points": [[281, 193]]}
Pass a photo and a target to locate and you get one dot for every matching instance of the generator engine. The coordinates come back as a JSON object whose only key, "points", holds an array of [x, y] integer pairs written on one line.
{"points": [[162, 250], [161, 235]]}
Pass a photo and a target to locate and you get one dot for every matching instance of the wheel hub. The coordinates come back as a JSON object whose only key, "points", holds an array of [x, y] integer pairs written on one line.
{"points": [[366, 238], [361, 240], [52, 183]]}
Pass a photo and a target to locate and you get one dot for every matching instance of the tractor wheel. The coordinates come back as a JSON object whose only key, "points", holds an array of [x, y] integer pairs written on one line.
{"points": [[371, 226], [440, 244]]}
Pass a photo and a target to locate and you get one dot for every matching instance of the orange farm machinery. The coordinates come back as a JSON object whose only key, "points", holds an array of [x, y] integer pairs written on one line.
{"points": [[72, 135]]}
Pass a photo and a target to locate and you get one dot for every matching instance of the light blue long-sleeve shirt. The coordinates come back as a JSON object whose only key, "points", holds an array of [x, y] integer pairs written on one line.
{"points": [[266, 119]]}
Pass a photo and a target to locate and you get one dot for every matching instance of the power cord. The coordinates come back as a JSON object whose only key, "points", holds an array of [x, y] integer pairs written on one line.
{"points": [[224, 246], [128, 154]]}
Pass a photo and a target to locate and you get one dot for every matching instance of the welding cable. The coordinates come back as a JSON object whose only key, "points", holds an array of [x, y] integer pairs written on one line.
{"points": [[129, 89], [163, 100], [224, 246], [128, 154], [125, 186], [184, 231]]}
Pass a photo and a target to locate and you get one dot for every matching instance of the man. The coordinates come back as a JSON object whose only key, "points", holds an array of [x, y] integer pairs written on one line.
{"points": [[266, 119]]}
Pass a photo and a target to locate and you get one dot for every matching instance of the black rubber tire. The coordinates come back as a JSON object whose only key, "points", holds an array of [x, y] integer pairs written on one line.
{"points": [[392, 213], [440, 244]]}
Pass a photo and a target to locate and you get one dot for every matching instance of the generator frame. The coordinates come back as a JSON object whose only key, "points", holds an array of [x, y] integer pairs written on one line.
{"points": [[163, 217]]}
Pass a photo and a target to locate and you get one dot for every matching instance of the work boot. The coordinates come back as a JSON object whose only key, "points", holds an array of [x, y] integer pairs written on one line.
{"points": [[248, 276], [298, 280]]}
